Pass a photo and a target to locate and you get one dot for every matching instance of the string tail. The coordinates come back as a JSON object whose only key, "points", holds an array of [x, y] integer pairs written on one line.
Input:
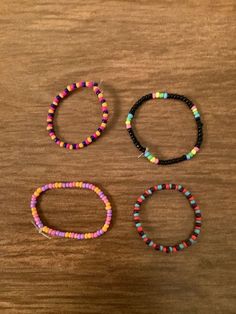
{"points": [[40, 230]]}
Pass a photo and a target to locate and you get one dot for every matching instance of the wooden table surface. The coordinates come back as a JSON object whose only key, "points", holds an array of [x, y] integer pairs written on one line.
{"points": [[134, 47]]}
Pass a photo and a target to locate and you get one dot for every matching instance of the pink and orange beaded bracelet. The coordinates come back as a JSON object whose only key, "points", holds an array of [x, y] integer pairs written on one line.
{"points": [[54, 105], [183, 244], [47, 231]]}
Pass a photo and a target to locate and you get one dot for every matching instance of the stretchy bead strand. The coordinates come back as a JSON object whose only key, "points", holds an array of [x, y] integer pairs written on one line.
{"points": [[145, 152], [73, 235], [55, 104], [170, 248]]}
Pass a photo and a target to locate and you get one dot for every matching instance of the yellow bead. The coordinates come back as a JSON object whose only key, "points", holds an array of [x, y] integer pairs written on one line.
{"points": [[67, 234], [69, 89], [157, 94], [103, 124], [50, 111], [97, 190], [104, 104], [61, 144], [61, 95], [59, 185], [77, 85], [53, 137], [193, 152], [98, 133], [105, 115], [81, 145], [89, 139], [45, 229], [71, 147]]}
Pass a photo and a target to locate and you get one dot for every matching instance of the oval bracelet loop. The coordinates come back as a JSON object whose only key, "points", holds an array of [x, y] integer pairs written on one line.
{"points": [[45, 230], [144, 150], [168, 248], [54, 105]]}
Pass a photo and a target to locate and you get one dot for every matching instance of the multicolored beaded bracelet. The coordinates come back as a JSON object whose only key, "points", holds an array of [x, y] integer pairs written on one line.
{"points": [[183, 244], [64, 94], [47, 231], [145, 152]]}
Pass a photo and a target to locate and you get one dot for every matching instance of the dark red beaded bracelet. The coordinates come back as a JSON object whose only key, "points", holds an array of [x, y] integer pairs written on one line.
{"points": [[144, 150], [181, 245], [64, 94]]}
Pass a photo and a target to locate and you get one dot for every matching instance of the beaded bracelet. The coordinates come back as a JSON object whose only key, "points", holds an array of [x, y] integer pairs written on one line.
{"points": [[183, 244], [145, 152], [64, 94], [43, 229]]}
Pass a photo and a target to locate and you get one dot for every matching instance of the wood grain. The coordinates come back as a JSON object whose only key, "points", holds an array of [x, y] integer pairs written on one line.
{"points": [[135, 47]]}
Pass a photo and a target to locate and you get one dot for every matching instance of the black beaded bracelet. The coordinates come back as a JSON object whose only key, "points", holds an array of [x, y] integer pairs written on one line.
{"points": [[144, 150]]}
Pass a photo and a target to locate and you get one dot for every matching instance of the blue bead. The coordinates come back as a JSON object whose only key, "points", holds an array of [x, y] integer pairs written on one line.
{"points": [[136, 214], [151, 243], [161, 248], [187, 193], [165, 95], [130, 116], [149, 191], [142, 197], [181, 246], [197, 231], [147, 153], [159, 187], [188, 157], [144, 236], [138, 224]]}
